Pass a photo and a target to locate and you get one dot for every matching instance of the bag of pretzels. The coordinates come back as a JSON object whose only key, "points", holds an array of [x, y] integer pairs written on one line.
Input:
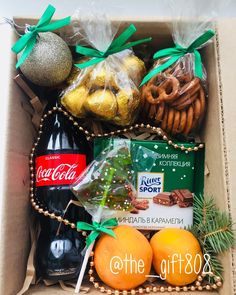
{"points": [[174, 92], [104, 83]]}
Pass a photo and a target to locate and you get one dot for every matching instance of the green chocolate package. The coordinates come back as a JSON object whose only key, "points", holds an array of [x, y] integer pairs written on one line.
{"points": [[164, 193]]}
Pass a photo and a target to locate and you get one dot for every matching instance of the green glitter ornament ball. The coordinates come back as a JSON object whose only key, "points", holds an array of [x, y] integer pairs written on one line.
{"points": [[50, 61]]}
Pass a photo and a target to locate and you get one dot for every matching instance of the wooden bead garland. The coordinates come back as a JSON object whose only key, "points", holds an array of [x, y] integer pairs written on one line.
{"points": [[37, 205], [199, 285]]}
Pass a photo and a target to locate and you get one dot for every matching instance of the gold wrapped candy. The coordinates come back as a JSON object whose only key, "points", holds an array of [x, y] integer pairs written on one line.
{"points": [[101, 77], [75, 99], [102, 103], [107, 90], [77, 74], [135, 68], [73, 75], [123, 98], [126, 100]]}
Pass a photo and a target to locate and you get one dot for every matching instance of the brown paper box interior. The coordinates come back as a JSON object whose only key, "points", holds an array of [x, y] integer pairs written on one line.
{"points": [[16, 217]]}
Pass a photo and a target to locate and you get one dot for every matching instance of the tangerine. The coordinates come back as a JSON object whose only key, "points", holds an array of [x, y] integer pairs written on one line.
{"points": [[177, 256], [124, 262]]}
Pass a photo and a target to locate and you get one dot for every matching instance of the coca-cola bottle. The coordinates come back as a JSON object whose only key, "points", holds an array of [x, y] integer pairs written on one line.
{"points": [[61, 155]]}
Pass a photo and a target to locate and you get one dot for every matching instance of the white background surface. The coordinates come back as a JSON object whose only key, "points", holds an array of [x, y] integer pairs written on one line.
{"points": [[137, 8]]}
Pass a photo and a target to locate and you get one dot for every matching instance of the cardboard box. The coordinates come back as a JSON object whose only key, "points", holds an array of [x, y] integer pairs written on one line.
{"points": [[16, 137], [171, 169]]}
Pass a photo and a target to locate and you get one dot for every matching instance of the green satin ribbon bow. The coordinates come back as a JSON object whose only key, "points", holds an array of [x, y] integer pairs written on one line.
{"points": [[117, 45], [177, 52], [97, 229], [29, 39]]}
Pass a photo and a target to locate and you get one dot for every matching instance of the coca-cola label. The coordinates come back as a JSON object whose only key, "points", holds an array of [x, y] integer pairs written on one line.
{"points": [[58, 169]]}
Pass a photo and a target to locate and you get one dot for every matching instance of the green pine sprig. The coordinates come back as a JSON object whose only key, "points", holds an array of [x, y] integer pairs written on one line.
{"points": [[214, 231], [214, 264], [203, 210], [218, 233]]}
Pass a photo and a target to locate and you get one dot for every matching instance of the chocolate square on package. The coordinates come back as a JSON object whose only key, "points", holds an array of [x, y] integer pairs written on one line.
{"points": [[183, 197], [164, 198]]}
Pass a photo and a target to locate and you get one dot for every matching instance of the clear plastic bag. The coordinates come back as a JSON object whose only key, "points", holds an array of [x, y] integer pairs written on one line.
{"points": [[107, 90], [108, 182], [175, 90]]}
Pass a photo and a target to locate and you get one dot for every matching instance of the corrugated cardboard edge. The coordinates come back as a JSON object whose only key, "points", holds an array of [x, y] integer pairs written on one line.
{"points": [[15, 145], [228, 111], [5, 57]]}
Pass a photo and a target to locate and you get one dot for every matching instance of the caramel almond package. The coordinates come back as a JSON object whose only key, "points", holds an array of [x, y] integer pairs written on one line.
{"points": [[165, 194]]}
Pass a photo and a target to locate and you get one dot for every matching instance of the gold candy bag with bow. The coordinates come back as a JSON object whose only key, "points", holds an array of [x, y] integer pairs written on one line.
{"points": [[104, 82]]}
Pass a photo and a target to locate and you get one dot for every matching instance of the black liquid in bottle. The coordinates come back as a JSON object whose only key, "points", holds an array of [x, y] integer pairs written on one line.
{"points": [[61, 155]]}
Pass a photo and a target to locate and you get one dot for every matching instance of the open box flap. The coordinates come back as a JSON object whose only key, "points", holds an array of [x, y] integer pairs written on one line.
{"points": [[16, 141], [227, 60]]}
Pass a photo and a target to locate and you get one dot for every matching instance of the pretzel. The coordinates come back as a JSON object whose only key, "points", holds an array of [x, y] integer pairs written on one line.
{"points": [[160, 112], [170, 119], [202, 100], [176, 70], [189, 122], [152, 111], [175, 100], [184, 78], [183, 120], [197, 112], [146, 107], [191, 87], [186, 94], [164, 121], [199, 108], [176, 122], [166, 91], [185, 101]]}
